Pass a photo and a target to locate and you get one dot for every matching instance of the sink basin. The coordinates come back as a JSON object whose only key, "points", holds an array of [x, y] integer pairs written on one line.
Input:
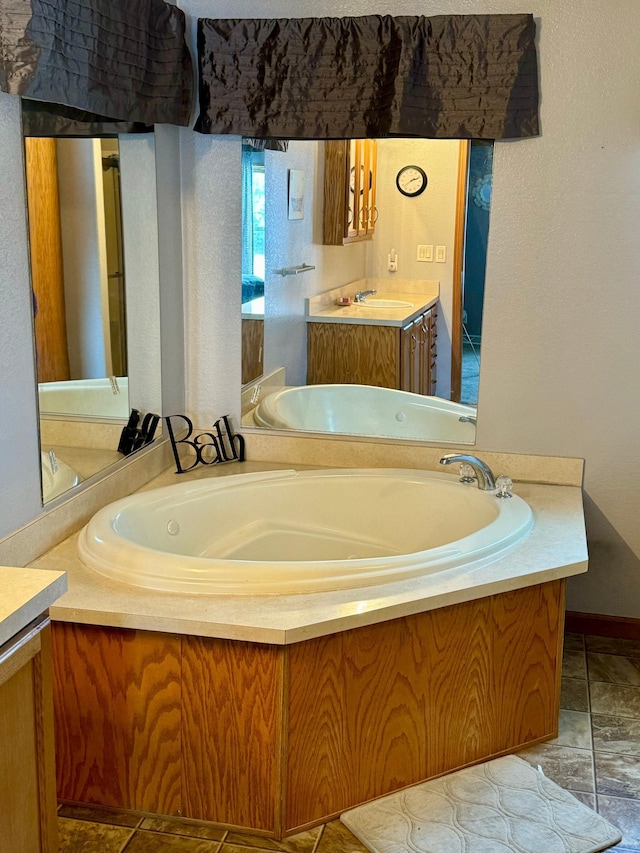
{"points": [[385, 303]]}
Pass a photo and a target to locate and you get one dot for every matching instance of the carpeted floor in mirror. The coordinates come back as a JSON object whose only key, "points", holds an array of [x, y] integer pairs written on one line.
{"points": [[596, 757]]}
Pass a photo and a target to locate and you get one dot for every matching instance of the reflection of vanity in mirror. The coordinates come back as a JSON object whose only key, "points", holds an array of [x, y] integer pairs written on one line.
{"points": [[94, 270], [382, 336]]}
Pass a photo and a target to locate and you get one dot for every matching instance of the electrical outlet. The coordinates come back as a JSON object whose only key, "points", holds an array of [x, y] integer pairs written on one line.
{"points": [[441, 254], [425, 253], [392, 261]]}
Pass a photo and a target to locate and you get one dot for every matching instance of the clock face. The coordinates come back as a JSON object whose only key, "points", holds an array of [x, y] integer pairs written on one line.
{"points": [[411, 180]]}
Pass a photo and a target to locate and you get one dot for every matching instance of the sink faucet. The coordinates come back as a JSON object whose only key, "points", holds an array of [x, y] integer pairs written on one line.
{"points": [[486, 480], [361, 295]]}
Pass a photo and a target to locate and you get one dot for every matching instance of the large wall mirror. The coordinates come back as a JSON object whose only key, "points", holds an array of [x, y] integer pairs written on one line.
{"points": [[94, 270], [363, 284]]}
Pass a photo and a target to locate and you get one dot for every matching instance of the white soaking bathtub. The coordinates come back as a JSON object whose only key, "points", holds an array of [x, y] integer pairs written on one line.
{"points": [[367, 410], [284, 532], [85, 397]]}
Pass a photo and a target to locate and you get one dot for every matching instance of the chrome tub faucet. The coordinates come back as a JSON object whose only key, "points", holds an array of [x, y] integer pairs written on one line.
{"points": [[361, 295], [484, 475]]}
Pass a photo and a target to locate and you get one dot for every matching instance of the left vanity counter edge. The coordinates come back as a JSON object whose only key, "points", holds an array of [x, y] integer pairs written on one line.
{"points": [[26, 594]]}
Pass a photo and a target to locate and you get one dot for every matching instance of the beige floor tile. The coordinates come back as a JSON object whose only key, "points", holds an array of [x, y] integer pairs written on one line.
{"points": [[302, 842], [574, 729], [574, 664], [570, 768], [616, 734], [574, 695], [614, 700], [84, 836], [157, 842], [616, 669], [177, 827], [97, 814], [336, 838], [613, 646], [625, 814], [617, 775]]}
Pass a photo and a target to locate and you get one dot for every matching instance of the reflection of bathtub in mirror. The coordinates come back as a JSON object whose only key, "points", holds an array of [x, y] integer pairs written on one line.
{"points": [[94, 398], [367, 410]]}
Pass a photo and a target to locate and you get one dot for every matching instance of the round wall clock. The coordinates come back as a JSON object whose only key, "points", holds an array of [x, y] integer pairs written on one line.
{"points": [[411, 181]]}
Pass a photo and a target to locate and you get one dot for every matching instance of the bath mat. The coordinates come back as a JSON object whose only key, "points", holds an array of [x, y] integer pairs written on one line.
{"points": [[501, 806]]}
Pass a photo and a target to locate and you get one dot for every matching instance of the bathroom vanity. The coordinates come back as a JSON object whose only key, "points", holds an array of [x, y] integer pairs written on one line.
{"points": [[278, 712], [388, 346], [27, 774]]}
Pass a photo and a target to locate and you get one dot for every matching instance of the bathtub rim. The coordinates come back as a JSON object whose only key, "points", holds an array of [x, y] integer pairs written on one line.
{"points": [[105, 551], [555, 549]]}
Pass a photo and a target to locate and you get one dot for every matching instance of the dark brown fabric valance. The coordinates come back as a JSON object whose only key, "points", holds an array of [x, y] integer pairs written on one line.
{"points": [[117, 60], [42, 119], [448, 76]]}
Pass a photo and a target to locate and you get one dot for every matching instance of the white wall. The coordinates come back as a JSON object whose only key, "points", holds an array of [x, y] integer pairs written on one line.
{"points": [[562, 304], [19, 445], [140, 229], [429, 218]]}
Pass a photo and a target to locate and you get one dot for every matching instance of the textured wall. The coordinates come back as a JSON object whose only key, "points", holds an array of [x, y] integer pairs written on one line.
{"points": [[19, 446], [429, 218]]}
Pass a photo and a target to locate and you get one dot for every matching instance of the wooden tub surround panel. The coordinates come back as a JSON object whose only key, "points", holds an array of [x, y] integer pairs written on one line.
{"points": [[117, 702], [279, 738], [232, 707], [377, 709]]}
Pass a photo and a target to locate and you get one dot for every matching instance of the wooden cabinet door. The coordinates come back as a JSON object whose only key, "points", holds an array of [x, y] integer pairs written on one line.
{"points": [[350, 210], [410, 357], [352, 354], [252, 349], [27, 774]]}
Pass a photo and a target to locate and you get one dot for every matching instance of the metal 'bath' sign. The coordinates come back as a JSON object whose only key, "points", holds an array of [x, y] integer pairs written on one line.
{"points": [[210, 448]]}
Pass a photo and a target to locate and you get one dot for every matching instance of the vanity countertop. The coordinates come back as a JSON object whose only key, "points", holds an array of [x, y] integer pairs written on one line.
{"points": [[254, 309], [26, 594], [326, 311], [555, 548]]}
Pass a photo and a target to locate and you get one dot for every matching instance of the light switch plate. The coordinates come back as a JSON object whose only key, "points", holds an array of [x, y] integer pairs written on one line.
{"points": [[425, 253], [441, 254]]}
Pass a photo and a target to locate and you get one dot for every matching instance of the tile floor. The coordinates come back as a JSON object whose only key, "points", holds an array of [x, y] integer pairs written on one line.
{"points": [[470, 374], [596, 756]]}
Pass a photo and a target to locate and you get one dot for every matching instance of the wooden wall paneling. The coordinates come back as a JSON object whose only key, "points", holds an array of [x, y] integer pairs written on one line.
{"points": [[47, 276], [117, 699], [232, 708], [360, 354]]}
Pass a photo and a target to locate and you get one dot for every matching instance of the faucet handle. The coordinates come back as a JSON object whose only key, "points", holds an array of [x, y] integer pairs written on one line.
{"points": [[467, 474], [504, 485]]}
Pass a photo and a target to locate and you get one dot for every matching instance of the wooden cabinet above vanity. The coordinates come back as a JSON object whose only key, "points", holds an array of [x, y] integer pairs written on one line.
{"points": [[350, 210]]}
